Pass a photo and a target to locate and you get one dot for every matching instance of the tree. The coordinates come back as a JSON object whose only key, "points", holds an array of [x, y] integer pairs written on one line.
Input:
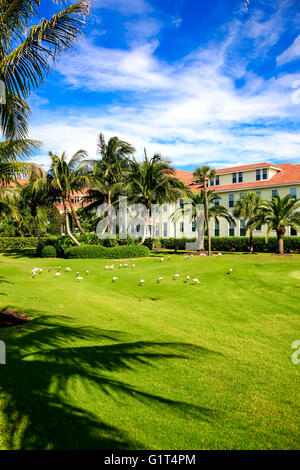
{"points": [[246, 208], [107, 173], [277, 214], [26, 52], [37, 194], [191, 209], [152, 181], [66, 177], [204, 174]]}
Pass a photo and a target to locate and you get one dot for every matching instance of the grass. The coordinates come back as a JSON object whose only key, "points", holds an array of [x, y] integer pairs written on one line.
{"points": [[163, 366]]}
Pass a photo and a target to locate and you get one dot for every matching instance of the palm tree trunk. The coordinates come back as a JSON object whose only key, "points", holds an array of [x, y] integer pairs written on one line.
{"points": [[36, 223], [68, 225], [280, 237], [251, 241], [206, 217], [153, 228], [75, 216]]}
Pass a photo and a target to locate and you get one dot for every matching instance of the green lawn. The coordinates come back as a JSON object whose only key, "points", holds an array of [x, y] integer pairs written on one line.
{"points": [[163, 366]]}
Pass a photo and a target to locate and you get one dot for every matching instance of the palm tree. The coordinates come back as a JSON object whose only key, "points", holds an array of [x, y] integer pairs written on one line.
{"points": [[152, 181], [107, 173], [66, 177], [204, 174], [37, 194], [8, 203], [277, 214], [191, 209], [26, 51], [10, 151], [246, 208]]}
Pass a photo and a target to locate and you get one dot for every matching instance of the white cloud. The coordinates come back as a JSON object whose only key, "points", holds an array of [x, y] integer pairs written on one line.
{"points": [[291, 53], [127, 7], [191, 110]]}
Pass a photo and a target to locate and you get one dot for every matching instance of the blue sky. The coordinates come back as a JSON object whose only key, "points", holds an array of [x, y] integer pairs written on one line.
{"points": [[197, 81]]}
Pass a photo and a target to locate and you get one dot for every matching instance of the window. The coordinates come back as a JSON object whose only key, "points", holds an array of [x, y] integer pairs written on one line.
{"points": [[76, 199], [294, 232], [265, 174], [274, 192], [211, 182], [293, 193], [258, 229], [217, 229], [240, 177], [217, 202], [257, 175], [165, 229], [217, 180], [234, 178], [258, 193], [193, 226], [157, 209], [157, 230], [231, 200], [181, 203], [231, 229], [242, 228], [165, 208], [181, 227], [241, 194]]}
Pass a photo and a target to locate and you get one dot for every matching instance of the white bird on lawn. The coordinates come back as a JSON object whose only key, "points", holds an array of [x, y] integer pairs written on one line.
{"points": [[126, 265], [141, 282], [57, 274], [133, 265], [159, 279], [114, 279], [230, 271], [161, 260], [220, 254], [169, 257], [79, 278], [187, 278], [120, 265], [196, 280], [68, 270], [33, 274], [35, 270], [87, 272], [176, 276], [192, 254], [40, 271]]}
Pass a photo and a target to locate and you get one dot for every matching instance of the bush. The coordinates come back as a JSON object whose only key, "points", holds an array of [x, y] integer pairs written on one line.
{"points": [[94, 251], [48, 251]]}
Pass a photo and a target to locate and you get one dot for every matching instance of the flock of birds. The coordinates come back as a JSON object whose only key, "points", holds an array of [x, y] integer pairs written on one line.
{"points": [[37, 271], [112, 267]]}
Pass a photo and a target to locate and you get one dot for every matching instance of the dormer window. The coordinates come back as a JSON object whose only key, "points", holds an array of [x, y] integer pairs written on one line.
{"points": [[265, 174], [217, 180], [234, 178], [240, 177], [258, 175]]}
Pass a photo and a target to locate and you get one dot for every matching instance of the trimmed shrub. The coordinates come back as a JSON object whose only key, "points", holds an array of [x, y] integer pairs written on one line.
{"points": [[48, 251], [94, 251]]}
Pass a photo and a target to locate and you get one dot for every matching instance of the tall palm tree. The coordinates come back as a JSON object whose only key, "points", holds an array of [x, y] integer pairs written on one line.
{"points": [[246, 208], [205, 173], [37, 194], [66, 177], [26, 51], [277, 214], [191, 209], [107, 173], [152, 181]]}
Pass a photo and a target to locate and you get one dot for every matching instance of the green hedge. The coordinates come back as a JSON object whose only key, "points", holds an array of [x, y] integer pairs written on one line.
{"points": [[48, 251], [18, 243], [235, 244], [95, 251]]}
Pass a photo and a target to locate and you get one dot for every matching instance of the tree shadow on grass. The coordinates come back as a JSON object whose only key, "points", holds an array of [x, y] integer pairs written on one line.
{"points": [[47, 356], [19, 253]]}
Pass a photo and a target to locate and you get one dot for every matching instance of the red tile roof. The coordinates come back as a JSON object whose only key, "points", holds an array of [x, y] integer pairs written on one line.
{"points": [[289, 174]]}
